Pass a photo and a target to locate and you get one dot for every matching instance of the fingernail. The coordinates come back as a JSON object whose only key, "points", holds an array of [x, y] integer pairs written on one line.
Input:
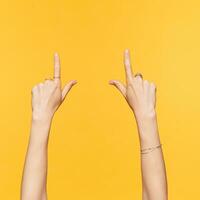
{"points": [[74, 81], [127, 50], [111, 82]]}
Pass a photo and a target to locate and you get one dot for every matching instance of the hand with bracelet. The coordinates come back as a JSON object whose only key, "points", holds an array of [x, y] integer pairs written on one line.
{"points": [[141, 97], [47, 98]]}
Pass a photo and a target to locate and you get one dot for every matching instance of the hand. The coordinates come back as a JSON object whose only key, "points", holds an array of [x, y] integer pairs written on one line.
{"points": [[139, 93], [48, 96]]}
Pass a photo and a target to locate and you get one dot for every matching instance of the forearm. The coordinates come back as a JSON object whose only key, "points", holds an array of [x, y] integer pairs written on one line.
{"points": [[47, 97], [141, 97], [154, 179], [35, 168]]}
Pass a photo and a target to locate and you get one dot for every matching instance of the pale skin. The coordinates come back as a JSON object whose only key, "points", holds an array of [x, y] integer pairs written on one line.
{"points": [[46, 99], [141, 97]]}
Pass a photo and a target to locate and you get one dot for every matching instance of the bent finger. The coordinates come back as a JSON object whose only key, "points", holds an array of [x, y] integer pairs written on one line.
{"points": [[120, 86], [127, 65], [67, 88]]}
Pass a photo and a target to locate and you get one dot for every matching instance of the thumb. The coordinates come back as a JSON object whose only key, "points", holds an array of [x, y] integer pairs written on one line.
{"points": [[67, 88], [120, 86]]}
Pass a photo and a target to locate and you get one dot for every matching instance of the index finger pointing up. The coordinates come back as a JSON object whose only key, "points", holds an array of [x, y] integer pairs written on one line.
{"points": [[127, 65], [56, 67]]}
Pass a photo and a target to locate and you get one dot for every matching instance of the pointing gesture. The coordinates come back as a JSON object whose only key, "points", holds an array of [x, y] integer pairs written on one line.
{"points": [[127, 65], [48, 95], [57, 75], [56, 68], [141, 97], [139, 93]]}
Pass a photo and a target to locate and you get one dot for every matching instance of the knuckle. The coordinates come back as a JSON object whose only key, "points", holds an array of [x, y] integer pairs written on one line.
{"points": [[134, 80], [153, 85], [47, 82], [139, 78], [57, 84], [34, 89], [54, 85], [137, 81], [130, 84], [146, 82]]}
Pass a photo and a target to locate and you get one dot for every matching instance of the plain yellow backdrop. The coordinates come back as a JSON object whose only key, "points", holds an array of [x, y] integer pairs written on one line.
{"points": [[93, 147]]}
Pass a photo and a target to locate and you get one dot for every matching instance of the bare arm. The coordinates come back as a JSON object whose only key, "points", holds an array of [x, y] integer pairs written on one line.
{"points": [[46, 99], [141, 97], [154, 178]]}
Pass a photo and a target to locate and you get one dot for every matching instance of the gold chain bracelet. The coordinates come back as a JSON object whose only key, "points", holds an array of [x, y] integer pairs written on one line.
{"points": [[150, 149]]}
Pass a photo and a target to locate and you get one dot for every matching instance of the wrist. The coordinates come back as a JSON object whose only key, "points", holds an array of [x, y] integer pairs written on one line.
{"points": [[40, 130], [38, 142], [149, 140], [42, 118], [146, 122], [148, 130]]}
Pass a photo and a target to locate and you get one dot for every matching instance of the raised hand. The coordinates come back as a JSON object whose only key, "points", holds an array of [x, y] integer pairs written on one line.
{"points": [[139, 93], [141, 97], [48, 95], [46, 99]]}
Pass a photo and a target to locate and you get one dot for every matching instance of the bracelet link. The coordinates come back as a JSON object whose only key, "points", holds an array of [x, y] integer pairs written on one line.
{"points": [[150, 149]]}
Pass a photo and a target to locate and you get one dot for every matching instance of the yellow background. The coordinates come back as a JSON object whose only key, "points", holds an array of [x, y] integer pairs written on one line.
{"points": [[94, 148]]}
